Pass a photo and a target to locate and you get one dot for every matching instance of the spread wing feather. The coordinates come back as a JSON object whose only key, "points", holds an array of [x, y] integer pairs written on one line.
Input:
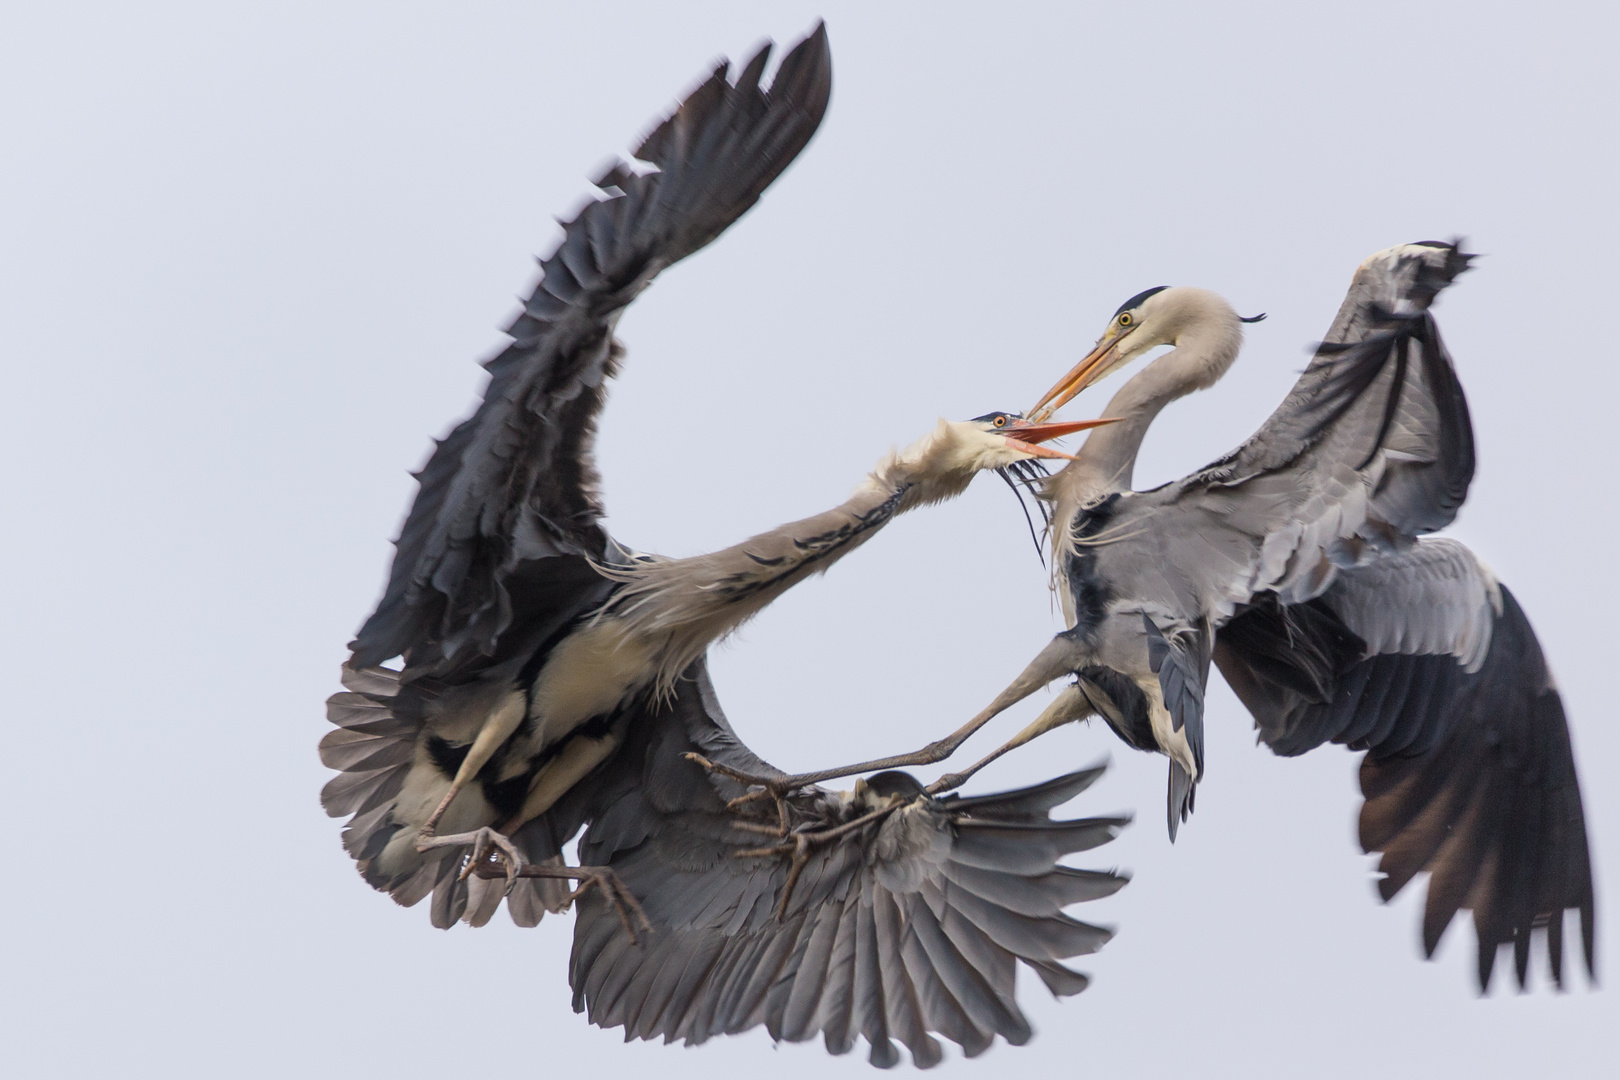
{"points": [[1469, 773], [896, 932], [508, 499], [1371, 448]]}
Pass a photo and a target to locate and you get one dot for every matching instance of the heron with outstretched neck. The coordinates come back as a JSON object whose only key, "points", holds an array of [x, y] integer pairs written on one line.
{"points": [[1298, 564], [550, 682]]}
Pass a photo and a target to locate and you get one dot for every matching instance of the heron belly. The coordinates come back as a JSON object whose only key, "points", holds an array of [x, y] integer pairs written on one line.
{"points": [[588, 674]]}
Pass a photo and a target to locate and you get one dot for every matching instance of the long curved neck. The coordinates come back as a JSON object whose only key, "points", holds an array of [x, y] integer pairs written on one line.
{"points": [[683, 606], [1107, 461]]}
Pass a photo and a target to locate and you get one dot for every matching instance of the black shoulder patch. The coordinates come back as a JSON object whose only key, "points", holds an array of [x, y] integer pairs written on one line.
{"points": [[1136, 300]]}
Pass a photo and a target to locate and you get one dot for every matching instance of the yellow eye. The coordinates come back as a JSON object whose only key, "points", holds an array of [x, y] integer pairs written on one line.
{"points": [[1125, 319], [1001, 421]]}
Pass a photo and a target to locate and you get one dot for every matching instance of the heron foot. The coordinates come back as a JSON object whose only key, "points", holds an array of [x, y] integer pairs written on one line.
{"points": [[800, 846], [614, 890], [490, 849], [776, 788]]}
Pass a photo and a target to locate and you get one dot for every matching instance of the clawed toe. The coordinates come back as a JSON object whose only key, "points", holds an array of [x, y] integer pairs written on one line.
{"points": [[800, 845], [617, 895], [614, 890], [776, 788], [493, 855]]}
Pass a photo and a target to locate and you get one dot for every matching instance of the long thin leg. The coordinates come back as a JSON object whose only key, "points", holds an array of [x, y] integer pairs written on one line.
{"points": [[491, 847], [1053, 662], [1070, 704], [494, 731], [578, 756]]}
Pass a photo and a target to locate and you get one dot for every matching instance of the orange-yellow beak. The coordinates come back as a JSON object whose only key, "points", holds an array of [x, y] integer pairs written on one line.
{"points": [[1030, 435], [1097, 363]]}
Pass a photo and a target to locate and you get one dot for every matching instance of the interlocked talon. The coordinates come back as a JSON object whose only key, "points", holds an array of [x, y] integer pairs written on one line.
{"points": [[771, 787], [1033, 678], [802, 844], [613, 890], [486, 843]]}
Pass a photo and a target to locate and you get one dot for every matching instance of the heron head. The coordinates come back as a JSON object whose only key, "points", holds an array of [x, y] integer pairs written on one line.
{"points": [[1162, 315], [999, 439]]}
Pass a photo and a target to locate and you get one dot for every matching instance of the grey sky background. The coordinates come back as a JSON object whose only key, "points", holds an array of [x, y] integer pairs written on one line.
{"points": [[250, 253]]}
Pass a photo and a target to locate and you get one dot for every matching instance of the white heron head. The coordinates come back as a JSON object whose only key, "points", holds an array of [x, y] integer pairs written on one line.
{"points": [[942, 463], [993, 441], [1165, 315]]}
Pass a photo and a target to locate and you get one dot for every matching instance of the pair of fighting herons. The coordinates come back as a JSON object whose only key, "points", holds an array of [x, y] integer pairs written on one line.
{"points": [[554, 680]]}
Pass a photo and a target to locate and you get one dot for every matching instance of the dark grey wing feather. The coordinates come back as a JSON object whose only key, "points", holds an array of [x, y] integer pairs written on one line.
{"points": [[1387, 306], [1374, 445], [898, 931], [1182, 664], [508, 500], [1469, 773], [1371, 448]]}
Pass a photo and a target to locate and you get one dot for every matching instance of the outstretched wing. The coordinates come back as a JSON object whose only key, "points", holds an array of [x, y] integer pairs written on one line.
{"points": [[1372, 447], [508, 500], [893, 931], [1428, 664]]}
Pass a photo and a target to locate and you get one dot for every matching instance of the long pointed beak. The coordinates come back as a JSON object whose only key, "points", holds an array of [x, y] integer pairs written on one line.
{"points": [[1097, 363], [1031, 435]]}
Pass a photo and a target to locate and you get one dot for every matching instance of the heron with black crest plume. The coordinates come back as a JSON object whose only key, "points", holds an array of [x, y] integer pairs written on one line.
{"points": [[526, 679], [1299, 565]]}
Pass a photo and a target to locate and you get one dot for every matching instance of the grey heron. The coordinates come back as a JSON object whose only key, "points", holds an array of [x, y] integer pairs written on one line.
{"points": [[554, 680], [1296, 564]]}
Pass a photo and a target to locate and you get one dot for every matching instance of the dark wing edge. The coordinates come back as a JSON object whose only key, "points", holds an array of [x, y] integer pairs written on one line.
{"points": [[514, 483], [1469, 774], [895, 932], [1381, 388]]}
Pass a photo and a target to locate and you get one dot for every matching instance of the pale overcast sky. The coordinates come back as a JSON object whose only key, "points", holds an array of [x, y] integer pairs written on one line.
{"points": [[251, 253]]}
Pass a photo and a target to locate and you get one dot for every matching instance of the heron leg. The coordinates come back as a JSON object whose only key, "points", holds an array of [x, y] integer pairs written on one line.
{"points": [[578, 756], [614, 890], [494, 731], [1071, 704], [493, 849], [800, 846], [1053, 662], [488, 847]]}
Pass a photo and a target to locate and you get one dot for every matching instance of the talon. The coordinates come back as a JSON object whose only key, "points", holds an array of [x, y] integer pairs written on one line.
{"points": [[618, 896], [802, 844], [490, 850]]}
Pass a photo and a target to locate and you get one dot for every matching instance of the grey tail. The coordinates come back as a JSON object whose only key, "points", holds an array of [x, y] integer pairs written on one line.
{"points": [[1182, 792]]}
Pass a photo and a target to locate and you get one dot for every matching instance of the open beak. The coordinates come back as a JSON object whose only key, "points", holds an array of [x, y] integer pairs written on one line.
{"points": [[1097, 363], [1029, 435]]}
